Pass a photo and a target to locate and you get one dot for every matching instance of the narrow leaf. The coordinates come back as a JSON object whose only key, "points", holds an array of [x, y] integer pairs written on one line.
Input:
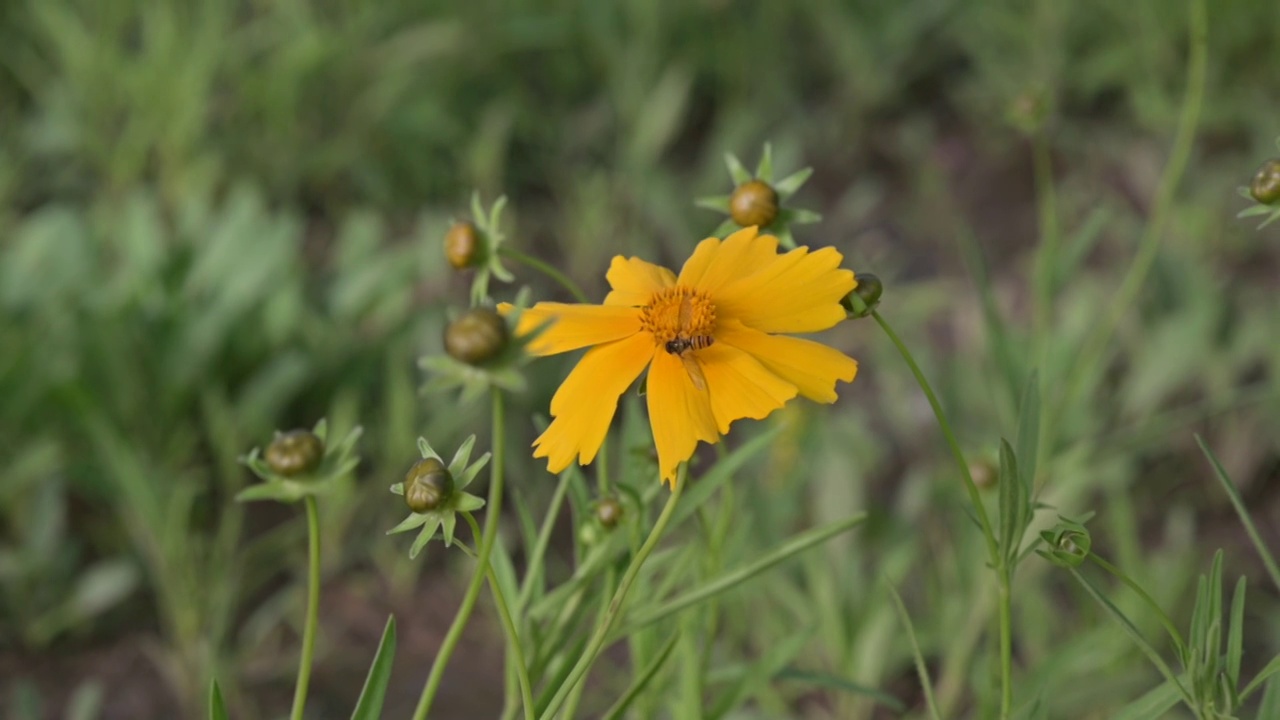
{"points": [[921, 669], [1029, 432], [369, 706], [1151, 706], [787, 186], [1235, 634], [834, 682], [642, 681], [1267, 559], [764, 168], [217, 708], [736, 170]]}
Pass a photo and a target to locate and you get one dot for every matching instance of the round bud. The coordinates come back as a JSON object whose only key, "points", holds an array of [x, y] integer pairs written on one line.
{"points": [[462, 245], [427, 485], [1266, 183], [984, 473], [476, 336], [868, 291], [609, 512], [294, 453], [754, 203]]}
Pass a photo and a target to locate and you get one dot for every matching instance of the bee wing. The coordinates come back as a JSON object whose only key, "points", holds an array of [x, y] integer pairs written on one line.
{"points": [[695, 371]]}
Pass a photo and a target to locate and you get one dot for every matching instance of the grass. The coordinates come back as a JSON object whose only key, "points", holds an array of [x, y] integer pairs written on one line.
{"points": [[223, 218]]}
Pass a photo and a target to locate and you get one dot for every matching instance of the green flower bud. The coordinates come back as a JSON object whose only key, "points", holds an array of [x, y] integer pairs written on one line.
{"points": [[462, 245], [294, 453], [608, 512], [427, 485], [1266, 183], [868, 292], [478, 335], [754, 202]]}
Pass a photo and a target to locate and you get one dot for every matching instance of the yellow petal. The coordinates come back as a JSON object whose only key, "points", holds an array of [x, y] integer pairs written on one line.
{"points": [[740, 255], [633, 280], [679, 413], [739, 386], [574, 326], [812, 367], [584, 405], [799, 292]]}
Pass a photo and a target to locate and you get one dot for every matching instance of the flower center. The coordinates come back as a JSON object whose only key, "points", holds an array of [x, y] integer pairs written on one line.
{"points": [[680, 318]]}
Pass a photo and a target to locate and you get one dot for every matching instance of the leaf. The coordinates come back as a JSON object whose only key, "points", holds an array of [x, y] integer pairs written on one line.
{"points": [[217, 708], [733, 578], [719, 203], [1151, 706], [642, 680], [460, 458], [424, 447], [723, 471], [835, 682], [1012, 501], [369, 706], [1267, 559], [736, 170], [1028, 441], [764, 168], [922, 670], [788, 186], [1235, 635]]}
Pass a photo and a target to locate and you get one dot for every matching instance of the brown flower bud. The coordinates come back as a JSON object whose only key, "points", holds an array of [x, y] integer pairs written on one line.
{"points": [[427, 485], [754, 202], [476, 336], [294, 453], [1266, 183], [609, 512], [462, 245]]}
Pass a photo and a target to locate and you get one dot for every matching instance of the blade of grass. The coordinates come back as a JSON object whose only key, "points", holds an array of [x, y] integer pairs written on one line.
{"points": [[1267, 559], [642, 681], [926, 684], [369, 705]]}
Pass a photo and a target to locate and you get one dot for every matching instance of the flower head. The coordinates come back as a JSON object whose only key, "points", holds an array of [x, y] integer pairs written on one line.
{"points": [[437, 509], [709, 338]]}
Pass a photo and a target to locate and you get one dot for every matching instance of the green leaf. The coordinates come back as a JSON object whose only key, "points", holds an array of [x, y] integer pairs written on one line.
{"points": [[1270, 705], [414, 520], [642, 680], [1028, 441], [758, 674], [799, 216], [428, 531], [217, 708], [1012, 501], [465, 477], [719, 203], [460, 458], [736, 170], [922, 670], [788, 186], [1264, 675], [720, 473], [1267, 559], [799, 543], [1235, 634], [835, 682], [369, 706], [764, 168], [1151, 706], [424, 447]]}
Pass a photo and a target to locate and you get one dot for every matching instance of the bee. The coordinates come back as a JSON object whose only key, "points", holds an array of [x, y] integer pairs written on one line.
{"points": [[681, 346]]}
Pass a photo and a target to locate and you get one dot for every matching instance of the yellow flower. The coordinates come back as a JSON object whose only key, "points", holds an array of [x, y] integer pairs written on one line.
{"points": [[707, 339]]}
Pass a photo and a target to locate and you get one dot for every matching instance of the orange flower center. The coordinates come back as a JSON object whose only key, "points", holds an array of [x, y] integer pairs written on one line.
{"points": [[680, 318]]}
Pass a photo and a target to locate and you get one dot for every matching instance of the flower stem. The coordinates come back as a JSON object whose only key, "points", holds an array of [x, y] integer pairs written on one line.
{"points": [[550, 271], [615, 605], [1004, 573], [508, 624], [493, 506], [313, 609]]}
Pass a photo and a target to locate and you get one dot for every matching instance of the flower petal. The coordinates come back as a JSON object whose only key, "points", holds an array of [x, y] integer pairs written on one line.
{"points": [[584, 405], [633, 281], [739, 386], [679, 413], [812, 367], [799, 292], [741, 254], [574, 326]]}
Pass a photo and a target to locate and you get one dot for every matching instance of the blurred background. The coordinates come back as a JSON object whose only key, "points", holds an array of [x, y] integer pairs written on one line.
{"points": [[220, 218]]}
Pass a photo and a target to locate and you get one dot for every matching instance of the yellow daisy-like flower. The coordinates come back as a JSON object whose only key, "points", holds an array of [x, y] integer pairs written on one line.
{"points": [[707, 337]]}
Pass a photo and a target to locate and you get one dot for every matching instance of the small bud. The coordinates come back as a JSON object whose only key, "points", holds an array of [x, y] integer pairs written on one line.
{"points": [[478, 335], [294, 453], [867, 295], [427, 485], [1266, 183], [754, 202], [462, 245], [984, 473], [608, 512]]}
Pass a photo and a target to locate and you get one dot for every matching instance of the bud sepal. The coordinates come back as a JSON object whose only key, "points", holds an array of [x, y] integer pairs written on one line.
{"points": [[298, 464], [498, 367], [485, 237], [757, 200], [444, 516]]}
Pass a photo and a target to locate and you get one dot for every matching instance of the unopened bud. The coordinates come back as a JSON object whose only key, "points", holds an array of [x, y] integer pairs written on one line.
{"points": [[754, 202], [294, 453], [478, 335]]}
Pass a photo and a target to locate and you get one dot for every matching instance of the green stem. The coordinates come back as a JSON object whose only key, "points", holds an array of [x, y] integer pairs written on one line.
{"points": [[983, 521], [508, 624], [1169, 627], [534, 573], [550, 271], [1098, 341], [1046, 271], [1003, 573], [494, 505], [615, 605], [313, 608]]}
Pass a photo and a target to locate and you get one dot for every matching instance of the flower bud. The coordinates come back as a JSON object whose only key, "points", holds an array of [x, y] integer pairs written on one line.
{"points": [[478, 335], [984, 473], [427, 485], [1266, 183], [294, 453], [868, 292], [462, 245], [608, 512], [754, 202]]}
